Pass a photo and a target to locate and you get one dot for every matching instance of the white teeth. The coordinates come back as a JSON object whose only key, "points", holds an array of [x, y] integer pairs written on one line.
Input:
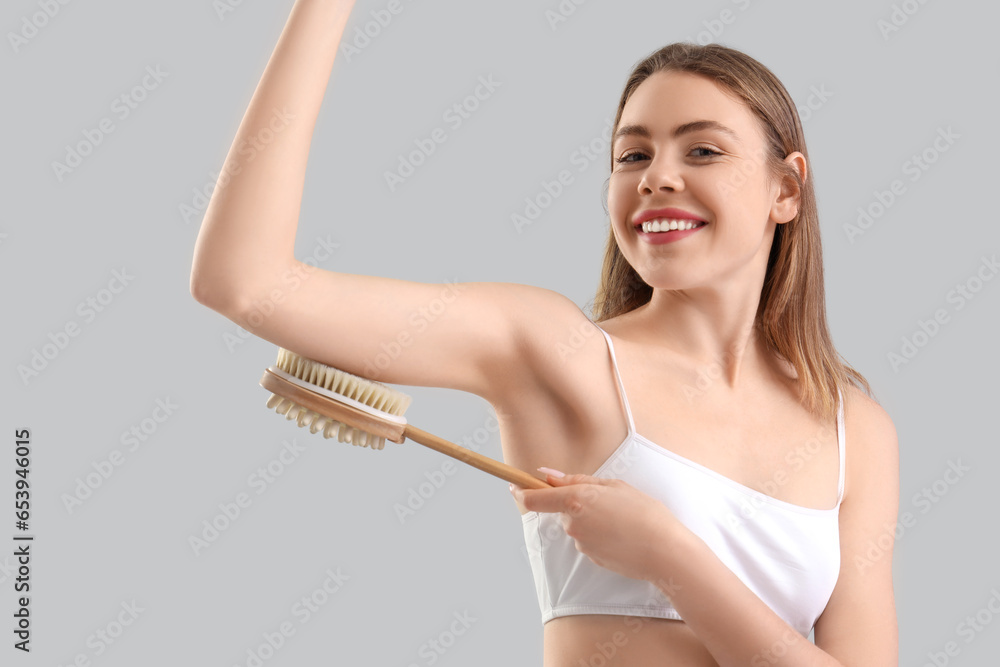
{"points": [[663, 225]]}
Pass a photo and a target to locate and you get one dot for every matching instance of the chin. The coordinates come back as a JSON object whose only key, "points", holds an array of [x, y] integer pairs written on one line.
{"points": [[667, 283], [681, 281]]}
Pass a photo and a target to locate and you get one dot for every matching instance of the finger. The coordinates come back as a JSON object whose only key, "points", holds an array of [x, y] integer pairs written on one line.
{"points": [[548, 500], [576, 479], [558, 477], [556, 480]]}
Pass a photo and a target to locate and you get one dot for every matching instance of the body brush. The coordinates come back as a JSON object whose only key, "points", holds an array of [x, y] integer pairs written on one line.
{"points": [[362, 412]]}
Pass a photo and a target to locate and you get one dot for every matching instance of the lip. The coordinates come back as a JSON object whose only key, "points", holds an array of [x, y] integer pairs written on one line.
{"points": [[659, 238], [671, 213]]}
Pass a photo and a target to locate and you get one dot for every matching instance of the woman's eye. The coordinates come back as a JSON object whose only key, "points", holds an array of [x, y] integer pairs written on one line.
{"points": [[625, 158], [707, 150]]}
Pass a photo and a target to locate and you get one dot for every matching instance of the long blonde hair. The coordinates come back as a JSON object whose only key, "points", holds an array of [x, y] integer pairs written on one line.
{"points": [[791, 316]]}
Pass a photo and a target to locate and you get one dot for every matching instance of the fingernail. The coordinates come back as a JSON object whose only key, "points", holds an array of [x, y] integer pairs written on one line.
{"points": [[511, 487], [554, 473]]}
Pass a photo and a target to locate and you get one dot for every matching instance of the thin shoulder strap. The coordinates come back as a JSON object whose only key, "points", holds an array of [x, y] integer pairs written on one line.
{"points": [[618, 377], [841, 446]]}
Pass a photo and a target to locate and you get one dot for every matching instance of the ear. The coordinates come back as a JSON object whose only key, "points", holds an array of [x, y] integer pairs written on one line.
{"points": [[786, 206]]}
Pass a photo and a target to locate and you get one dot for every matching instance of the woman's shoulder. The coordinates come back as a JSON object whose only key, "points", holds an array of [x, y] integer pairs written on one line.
{"points": [[866, 413], [548, 330], [870, 427], [872, 445], [549, 320]]}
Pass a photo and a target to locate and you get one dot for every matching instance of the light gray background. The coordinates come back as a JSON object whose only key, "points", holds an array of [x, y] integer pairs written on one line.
{"points": [[333, 507]]}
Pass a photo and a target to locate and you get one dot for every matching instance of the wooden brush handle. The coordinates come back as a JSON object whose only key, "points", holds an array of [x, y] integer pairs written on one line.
{"points": [[484, 463]]}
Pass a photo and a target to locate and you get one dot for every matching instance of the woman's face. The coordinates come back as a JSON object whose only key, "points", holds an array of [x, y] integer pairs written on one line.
{"points": [[712, 174]]}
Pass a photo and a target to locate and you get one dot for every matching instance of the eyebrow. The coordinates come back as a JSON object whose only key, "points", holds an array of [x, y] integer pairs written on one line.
{"points": [[693, 126]]}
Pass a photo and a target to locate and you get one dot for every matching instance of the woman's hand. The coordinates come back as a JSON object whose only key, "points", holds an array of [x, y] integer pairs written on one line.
{"points": [[612, 523]]}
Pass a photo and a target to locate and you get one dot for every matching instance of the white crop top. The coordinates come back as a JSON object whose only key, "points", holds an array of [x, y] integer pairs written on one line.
{"points": [[789, 555]]}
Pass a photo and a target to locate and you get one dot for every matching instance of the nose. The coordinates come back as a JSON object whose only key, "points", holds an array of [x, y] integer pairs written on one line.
{"points": [[661, 174]]}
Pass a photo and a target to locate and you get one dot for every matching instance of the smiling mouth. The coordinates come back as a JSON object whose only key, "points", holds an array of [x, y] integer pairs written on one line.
{"points": [[665, 225]]}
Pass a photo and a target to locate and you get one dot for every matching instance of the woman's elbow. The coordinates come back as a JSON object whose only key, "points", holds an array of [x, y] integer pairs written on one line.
{"points": [[220, 298]]}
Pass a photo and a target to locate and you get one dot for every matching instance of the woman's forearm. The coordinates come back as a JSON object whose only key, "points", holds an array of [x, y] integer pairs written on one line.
{"points": [[248, 234], [735, 625]]}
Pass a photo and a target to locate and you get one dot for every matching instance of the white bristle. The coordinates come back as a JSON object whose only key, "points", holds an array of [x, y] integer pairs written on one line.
{"points": [[368, 392]]}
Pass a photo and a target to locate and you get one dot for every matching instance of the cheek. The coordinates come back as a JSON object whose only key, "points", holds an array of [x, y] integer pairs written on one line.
{"points": [[746, 207], [619, 200], [745, 186]]}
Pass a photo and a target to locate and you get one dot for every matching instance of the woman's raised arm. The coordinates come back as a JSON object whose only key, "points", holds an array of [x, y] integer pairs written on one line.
{"points": [[247, 237], [490, 339]]}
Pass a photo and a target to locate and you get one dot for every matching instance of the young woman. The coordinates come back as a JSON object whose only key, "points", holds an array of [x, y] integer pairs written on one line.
{"points": [[713, 511]]}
